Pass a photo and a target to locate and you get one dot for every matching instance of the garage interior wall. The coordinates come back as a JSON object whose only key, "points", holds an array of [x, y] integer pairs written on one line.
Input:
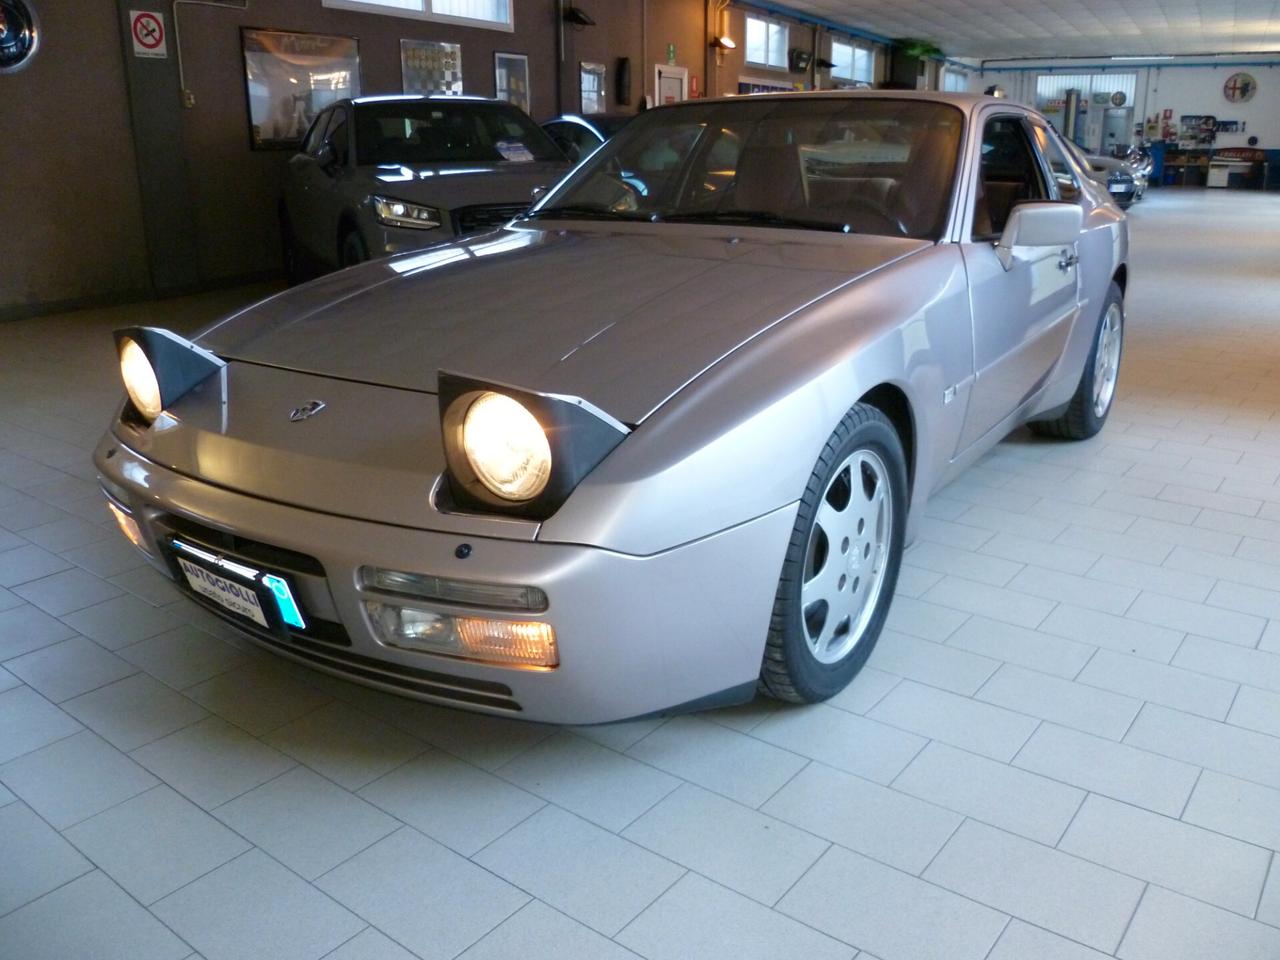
{"points": [[1190, 86], [127, 193], [70, 201]]}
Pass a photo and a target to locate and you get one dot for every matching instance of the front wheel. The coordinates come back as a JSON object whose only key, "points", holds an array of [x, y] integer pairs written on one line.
{"points": [[352, 249], [1089, 407], [841, 565]]}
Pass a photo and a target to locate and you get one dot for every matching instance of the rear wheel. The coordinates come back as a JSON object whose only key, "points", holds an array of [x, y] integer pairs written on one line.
{"points": [[1096, 392], [352, 249], [841, 566]]}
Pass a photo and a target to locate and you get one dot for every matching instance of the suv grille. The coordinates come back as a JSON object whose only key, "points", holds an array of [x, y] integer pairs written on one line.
{"points": [[485, 216]]}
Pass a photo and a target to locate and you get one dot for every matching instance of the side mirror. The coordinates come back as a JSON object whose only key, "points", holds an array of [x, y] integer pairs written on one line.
{"points": [[1039, 225], [326, 157], [539, 192]]}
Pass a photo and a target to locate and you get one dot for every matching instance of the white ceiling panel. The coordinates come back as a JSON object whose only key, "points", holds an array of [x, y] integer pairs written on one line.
{"points": [[993, 29]]}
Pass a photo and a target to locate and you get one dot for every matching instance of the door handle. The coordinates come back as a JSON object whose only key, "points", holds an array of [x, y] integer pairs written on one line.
{"points": [[1068, 261]]}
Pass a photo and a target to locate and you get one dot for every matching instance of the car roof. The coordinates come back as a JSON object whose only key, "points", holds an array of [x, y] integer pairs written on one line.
{"points": [[415, 97], [965, 101]]}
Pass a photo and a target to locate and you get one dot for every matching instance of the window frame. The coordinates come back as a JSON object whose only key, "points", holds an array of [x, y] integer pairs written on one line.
{"points": [[1047, 164], [383, 10], [1048, 186], [854, 49], [769, 23]]}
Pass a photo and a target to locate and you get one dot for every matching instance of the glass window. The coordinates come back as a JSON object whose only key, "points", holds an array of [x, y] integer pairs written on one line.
{"points": [[1063, 174], [852, 62], [443, 131], [315, 136], [955, 81], [767, 43], [592, 87], [869, 165], [1009, 174], [496, 13], [339, 137]]}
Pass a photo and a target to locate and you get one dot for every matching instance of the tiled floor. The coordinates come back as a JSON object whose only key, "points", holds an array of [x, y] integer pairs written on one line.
{"points": [[1067, 744]]}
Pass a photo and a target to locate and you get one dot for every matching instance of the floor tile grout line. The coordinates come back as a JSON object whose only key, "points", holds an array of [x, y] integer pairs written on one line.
{"points": [[1266, 879]]}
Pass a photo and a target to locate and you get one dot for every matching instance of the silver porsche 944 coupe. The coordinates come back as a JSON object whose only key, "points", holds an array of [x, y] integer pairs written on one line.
{"points": [[658, 443]]}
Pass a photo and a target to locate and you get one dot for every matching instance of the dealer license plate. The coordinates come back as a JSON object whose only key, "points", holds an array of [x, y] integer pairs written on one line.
{"points": [[239, 598]]}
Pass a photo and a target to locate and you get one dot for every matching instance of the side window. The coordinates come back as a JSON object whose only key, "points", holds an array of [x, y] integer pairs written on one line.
{"points": [[315, 135], [1064, 177], [1009, 174], [339, 135]]}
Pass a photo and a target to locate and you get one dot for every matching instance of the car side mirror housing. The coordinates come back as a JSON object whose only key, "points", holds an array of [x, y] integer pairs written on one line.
{"points": [[326, 157], [1048, 224]]}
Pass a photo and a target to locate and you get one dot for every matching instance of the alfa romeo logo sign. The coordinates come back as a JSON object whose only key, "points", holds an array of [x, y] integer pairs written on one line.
{"points": [[19, 35], [1240, 87]]}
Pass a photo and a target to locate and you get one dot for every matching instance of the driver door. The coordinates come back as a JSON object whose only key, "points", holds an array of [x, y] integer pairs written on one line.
{"points": [[1023, 314]]}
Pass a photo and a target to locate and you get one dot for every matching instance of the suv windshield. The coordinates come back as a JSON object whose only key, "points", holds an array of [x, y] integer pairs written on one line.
{"points": [[852, 164], [445, 131]]}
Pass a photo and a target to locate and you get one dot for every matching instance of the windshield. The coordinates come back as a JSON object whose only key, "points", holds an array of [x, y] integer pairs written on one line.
{"points": [[857, 165], [443, 131]]}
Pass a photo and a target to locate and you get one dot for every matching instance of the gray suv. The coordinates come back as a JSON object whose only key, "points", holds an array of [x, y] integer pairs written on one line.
{"points": [[380, 175]]}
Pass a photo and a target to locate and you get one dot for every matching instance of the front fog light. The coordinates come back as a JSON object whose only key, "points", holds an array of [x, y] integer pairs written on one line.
{"points": [[425, 586], [530, 643], [128, 526]]}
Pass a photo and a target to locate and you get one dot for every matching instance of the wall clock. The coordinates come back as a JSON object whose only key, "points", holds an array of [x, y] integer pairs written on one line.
{"points": [[19, 35]]}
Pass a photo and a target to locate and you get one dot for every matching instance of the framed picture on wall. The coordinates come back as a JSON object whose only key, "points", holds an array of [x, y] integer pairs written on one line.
{"points": [[431, 67], [511, 79], [290, 77], [591, 84]]}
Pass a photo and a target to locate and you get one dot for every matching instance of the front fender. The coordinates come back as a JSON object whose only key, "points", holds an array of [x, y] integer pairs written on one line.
{"points": [[741, 440]]}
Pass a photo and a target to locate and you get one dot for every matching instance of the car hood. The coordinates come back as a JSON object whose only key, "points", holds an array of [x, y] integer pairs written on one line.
{"points": [[621, 316], [452, 185]]}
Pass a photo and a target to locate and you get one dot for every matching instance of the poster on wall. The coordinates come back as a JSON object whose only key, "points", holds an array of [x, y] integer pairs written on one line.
{"points": [[290, 77], [431, 67], [511, 79]]}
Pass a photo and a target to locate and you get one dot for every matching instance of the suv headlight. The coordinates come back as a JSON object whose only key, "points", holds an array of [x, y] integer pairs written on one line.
{"points": [[158, 367], [401, 213], [515, 451]]}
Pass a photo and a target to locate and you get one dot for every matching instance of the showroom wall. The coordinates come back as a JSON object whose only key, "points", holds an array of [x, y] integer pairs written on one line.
{"points": [[70, 203], [1187, 87], [127, 192]]}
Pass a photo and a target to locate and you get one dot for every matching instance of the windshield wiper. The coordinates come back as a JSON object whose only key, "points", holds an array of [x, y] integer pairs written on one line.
{"points": [[583, 212], [762, 218]]}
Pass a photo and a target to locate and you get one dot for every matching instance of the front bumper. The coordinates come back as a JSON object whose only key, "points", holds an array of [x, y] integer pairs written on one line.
{"points": [[636, 635]]}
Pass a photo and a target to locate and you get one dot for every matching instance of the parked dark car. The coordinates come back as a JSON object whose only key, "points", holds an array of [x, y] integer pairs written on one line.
{"points": [[382, 175], [578, 136]]}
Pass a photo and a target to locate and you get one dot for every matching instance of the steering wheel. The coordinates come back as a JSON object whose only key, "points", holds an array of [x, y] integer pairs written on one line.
{"points": [[867, 205]]}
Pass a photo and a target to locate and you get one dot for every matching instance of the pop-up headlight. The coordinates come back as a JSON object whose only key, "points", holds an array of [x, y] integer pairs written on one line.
{"points": [[158, 367], [516, 452]]}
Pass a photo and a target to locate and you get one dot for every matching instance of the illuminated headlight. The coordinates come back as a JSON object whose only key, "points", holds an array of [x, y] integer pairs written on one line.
{"points": [[399, 213], [529, 643], [140, 379], [506, 447]]}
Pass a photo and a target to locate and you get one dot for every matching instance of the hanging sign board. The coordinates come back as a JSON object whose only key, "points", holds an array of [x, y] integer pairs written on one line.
{"points": [[147, 29]]}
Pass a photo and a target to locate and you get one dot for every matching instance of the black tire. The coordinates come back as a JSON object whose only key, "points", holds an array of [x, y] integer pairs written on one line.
{"points": [[791, 670], [1081, 420], [291, 256], [352, 249]]}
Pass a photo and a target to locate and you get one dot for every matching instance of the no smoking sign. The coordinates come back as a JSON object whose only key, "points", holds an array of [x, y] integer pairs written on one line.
{"points": [[149, 38]]}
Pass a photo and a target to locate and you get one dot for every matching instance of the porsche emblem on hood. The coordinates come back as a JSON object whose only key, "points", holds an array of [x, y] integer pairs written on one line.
{"points": [[308, 409]]}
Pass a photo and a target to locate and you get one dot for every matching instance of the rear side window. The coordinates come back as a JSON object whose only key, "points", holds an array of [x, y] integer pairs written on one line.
{"points": [[1009, 174], [340, 136]]}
